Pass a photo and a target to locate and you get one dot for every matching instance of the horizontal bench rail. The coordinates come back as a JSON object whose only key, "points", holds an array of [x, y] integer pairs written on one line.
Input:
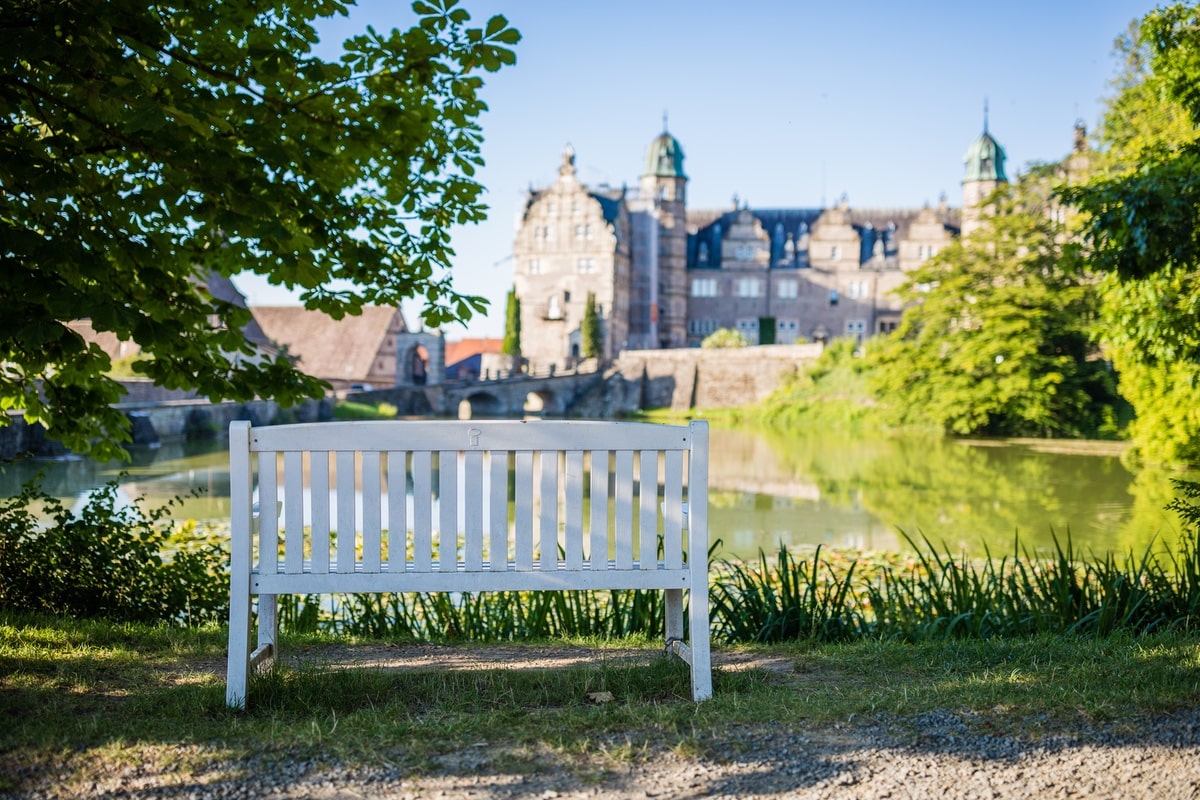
{"points": [[466, 506]]}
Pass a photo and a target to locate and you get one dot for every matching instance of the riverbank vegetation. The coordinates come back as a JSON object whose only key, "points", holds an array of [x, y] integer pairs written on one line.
{"points": [[124, 565]]}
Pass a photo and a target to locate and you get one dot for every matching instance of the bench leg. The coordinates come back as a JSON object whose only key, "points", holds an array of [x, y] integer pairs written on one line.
{"points": [[268, 628], [238, 667], [701, 652], [674, 625]]}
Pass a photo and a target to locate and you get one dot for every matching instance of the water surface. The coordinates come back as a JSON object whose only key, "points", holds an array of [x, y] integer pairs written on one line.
{"points": [[799, 490]]}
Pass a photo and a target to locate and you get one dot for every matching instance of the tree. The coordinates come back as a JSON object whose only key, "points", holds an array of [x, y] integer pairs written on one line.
{"points": [[1142, 212], [590, 329], [996, 339], [724, 337], [512, 329], [149, 145]]}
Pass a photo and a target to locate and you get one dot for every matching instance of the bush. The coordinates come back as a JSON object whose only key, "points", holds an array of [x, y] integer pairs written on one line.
{"points": [[724, 337], [114, 563]]}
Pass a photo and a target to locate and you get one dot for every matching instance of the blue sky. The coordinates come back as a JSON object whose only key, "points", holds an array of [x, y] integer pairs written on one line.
{"points": [[780, 103]]}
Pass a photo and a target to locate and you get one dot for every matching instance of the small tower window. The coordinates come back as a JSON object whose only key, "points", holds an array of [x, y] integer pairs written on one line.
{"points": [[833, 297]]}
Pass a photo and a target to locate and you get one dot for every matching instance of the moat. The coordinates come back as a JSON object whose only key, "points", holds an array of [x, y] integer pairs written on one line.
{"points": [[802, 491]]}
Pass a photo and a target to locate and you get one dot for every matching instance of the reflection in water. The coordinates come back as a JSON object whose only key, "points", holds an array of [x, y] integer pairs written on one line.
{"points": [[817, 489], [157, 474], [963, 494]]}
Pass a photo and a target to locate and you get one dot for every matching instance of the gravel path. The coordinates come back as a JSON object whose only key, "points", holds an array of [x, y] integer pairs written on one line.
{"points": [[937, 755]]}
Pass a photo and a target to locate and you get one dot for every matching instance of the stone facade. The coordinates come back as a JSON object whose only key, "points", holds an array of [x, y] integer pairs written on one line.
{"points": [[665, 276], [572, 242]]}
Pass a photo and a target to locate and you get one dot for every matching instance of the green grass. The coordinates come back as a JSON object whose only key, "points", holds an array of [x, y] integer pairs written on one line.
{"points": [[80, 698]]}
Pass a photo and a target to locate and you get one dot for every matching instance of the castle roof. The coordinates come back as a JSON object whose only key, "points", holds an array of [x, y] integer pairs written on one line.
{"points": [[888, 225], [985, 160], [664, 158], [332, 349]]}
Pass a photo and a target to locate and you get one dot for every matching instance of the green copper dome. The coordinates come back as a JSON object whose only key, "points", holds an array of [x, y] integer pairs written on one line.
{"points": [[985, 160], [664, 159]]}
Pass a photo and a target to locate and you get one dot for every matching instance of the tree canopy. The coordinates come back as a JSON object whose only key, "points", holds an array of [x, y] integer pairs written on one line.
{"points": [[996, 339], [1141, 209], [148, 145], [590, 329]]}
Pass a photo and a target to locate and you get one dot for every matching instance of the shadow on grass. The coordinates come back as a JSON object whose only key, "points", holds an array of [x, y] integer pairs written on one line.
{"points": [[84, 701]]}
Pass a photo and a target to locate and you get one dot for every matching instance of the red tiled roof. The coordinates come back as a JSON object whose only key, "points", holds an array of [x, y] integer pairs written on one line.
{"points": [[465, 348]]}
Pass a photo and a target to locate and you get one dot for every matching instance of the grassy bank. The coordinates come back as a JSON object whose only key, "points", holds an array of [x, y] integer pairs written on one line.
{"points": [[83, 697]]}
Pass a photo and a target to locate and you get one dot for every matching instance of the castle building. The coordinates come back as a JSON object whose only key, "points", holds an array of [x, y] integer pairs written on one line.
{"points": [[663, 275]]}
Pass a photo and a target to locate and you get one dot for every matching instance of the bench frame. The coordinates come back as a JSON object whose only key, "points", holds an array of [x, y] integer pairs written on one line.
{"points": [[546, 466]]}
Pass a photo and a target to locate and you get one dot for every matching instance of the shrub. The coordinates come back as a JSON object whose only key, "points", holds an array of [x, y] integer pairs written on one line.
{"points": [[117, 563], [724, 337]]}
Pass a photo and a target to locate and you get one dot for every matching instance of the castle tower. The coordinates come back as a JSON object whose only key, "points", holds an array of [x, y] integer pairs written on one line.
{"points": [[663, 191], [984, 172]]}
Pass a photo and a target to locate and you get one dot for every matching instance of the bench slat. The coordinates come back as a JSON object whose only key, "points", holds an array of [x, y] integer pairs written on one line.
{"points": [[498, 553], [598, 547], [422, 540], [397, 483], [414, 435], [318, 492], [673, 509], [482, 581], [346, 528], [372, 512], [293, 511], [447, 541], [623, 510], [268, 516], [547, 509], [648, 508], [524, 511], [573, 502], [473, 512]]}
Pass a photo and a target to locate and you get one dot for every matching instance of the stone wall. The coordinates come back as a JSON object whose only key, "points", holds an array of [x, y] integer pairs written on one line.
{"points": [[689, 378]]}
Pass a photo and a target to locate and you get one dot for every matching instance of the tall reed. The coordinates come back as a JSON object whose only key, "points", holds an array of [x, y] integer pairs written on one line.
{"points": [[824, 597]]}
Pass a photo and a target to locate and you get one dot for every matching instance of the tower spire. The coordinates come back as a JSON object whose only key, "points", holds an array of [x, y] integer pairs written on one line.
{"points": [[985, 115], [665, 121]]}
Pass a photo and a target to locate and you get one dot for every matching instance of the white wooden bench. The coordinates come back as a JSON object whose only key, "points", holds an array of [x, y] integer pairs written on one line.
{"points": [[466, 506]]}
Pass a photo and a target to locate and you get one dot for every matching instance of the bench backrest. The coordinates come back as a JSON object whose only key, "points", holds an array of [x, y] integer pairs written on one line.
{"points": [[486, 497]]}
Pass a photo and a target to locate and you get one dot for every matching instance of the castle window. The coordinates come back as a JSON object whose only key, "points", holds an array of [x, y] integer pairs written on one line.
{"points": [[702, 257], [834, 253], [554, 308], [749, 329], [587, 265], [833, 297], [744, 252], [748, 287], [787, 290], [535, 266], [704, 287]]}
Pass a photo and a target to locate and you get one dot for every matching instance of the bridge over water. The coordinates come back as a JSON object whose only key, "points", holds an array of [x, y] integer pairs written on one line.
{"points": [[549, 395]]}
